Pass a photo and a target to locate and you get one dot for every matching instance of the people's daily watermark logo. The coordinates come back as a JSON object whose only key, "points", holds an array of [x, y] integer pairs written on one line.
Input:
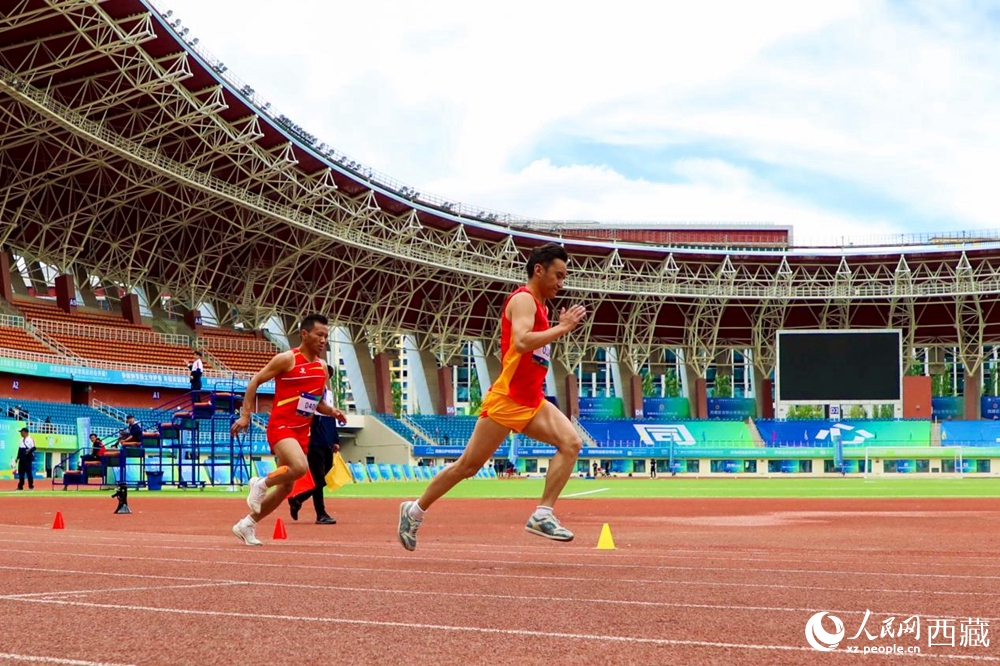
{"points": [[905, 634], [657, 434], [819, 637]]}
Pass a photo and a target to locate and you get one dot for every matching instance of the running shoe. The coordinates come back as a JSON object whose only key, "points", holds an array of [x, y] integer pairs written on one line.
{"points": [[256, 495], [549, 528], [246, 531], [407, 527]]}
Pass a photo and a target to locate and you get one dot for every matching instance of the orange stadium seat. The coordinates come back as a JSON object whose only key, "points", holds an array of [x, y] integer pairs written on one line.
{"points": [[148, 352], [18, 338], [239, 351]]}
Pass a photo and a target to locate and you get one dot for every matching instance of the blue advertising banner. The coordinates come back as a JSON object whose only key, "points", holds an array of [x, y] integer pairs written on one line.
{"points": [[990, 407], [947, 407], [736, 409], [116, 377], [687, 452], [666, 408], [602, 408]]}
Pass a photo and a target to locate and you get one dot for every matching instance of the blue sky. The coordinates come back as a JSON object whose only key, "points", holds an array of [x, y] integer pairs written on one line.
{"points": [[837, 118]]}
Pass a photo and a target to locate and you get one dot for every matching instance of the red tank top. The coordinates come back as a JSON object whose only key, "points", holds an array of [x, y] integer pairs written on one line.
{"points": [[522, 377], [296, 393]]}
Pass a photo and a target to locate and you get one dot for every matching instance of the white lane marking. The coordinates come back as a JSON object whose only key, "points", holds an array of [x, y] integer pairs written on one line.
{"points": [[479, 575], [586, 492], [54, 660], [602, 638]]}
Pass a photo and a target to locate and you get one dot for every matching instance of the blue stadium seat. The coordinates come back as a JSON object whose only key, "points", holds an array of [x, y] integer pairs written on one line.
{"points": [[358, 472]]}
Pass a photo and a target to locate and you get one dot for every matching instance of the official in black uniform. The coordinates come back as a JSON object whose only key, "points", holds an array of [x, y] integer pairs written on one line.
{"points": [[324, 441], [25, 458]]}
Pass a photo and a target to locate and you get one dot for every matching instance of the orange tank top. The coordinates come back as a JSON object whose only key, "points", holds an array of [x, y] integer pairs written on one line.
{"points": [[522, 376], [297, 392]]}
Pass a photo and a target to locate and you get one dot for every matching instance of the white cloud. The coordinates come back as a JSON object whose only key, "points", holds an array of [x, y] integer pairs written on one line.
{"points": [[447, 95], [718, 192]]}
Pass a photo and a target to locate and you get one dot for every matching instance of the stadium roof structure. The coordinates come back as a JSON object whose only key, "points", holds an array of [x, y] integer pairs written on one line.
{"points": [[128, 152]]}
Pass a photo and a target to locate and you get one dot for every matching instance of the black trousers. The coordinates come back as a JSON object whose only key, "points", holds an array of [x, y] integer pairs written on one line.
{"points": [[24, 470], [320, 464]]}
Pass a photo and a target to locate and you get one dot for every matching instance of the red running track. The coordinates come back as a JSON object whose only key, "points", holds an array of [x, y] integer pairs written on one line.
{"points": [[692, 582]]}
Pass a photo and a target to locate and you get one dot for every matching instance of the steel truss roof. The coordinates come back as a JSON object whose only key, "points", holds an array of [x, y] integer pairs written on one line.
{"points": [[126, 154]]}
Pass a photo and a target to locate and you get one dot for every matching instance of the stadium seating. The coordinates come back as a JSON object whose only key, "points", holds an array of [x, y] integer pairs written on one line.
{"points": [[63, 414], [398, 426], [456, 430], [970, 433], [236, 350], [18, 338], [144, 348]]}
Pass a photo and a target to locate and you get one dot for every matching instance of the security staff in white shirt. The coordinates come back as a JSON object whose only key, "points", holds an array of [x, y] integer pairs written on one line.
{"points": [[197, 367], [25, 458]]}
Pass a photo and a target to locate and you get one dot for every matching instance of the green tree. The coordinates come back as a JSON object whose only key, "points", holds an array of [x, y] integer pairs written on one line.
{"points": [[886, 412], [648, 388], [671, 386], [915, 370], [397, 399], [941, 385], [805, 412], [723, 386], [857, 412], [337, 388], [475, 394]]}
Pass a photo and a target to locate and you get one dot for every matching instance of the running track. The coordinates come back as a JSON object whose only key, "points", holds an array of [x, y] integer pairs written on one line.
{"points": [[692, 582]]}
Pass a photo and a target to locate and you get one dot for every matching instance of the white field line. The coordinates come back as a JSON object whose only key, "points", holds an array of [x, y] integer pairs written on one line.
{"points": [[211, 582], [483, 575], [563, 564], [586, 492], [599, 638], [54, 660]]}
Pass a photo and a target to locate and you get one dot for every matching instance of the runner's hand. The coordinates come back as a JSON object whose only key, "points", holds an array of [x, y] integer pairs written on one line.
{"points": [[571, 318], [239, 425]]}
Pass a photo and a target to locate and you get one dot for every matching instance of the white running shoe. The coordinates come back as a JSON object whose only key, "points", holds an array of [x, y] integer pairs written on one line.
{"points": [[256, 495], [246, 531], [407, 527]]}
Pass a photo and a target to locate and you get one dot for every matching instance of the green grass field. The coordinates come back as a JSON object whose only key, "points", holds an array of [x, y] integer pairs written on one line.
{"points": [[629, 488]]}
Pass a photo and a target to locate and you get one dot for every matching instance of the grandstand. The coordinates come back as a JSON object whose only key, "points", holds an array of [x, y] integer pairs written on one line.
{"points": [[236, 350], [104, 337], [16, 338]]}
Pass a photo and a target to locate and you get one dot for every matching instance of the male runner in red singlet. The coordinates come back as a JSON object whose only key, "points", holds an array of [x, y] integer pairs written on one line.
{"points": [[516, 400], [300, 376]]}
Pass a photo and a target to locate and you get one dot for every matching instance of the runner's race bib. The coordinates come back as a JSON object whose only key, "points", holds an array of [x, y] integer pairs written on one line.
{"points": [[307, 404], [542, 355]]}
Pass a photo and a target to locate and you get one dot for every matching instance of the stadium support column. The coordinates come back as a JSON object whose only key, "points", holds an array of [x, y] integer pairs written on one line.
{"points": [[130, 309], [568, 390], [6, 277], [383, 384], [360, 369], [697, 389], [445, 390], [85, 288], [628, 384], [66, 293], [763, 390], [417, 378], [973, 393], [487, 367], [193, 320], [153, 300]]}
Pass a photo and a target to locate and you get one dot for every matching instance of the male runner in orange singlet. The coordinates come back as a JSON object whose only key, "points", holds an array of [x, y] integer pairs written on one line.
{"points": [[300, 376], [516, 400]]}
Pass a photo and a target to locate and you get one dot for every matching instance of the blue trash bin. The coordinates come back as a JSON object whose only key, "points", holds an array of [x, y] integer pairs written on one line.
{"points": [[154, 480]]}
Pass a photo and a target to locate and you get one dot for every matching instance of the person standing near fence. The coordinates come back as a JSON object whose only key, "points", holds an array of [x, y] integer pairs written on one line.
{"points": [[25, 460], [197, 368]]}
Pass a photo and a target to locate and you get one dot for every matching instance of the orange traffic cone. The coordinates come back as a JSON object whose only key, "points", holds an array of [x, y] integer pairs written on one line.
{"points": [[279, 530], [58, 523]]}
